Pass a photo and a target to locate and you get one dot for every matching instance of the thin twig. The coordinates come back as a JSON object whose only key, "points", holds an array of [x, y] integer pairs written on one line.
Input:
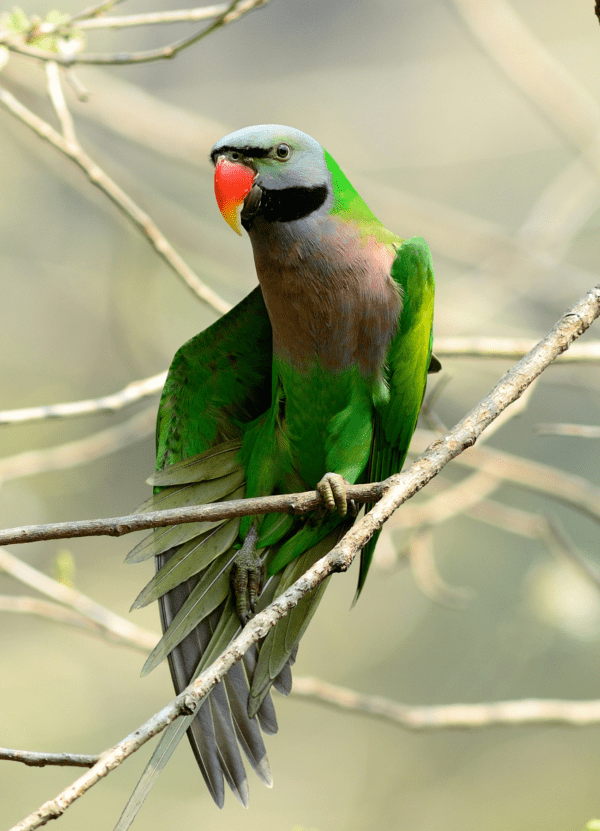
{"points": [[447, 716], [96, 9], [567, 488], [489, 348], [124, 202], [115, 627], [582, 431], [175, 16], [400, 487], [58, 102], [510, 349], [81, 451], [40, 760], [574, 489], [112, 403], [68, 617], [233, 12]]}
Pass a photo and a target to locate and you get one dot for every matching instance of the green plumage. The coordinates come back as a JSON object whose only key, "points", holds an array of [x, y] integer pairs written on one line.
{"points": [[329, 380]]}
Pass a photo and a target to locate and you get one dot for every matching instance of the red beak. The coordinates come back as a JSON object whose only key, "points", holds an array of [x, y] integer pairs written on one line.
{"points": [[233, 183]]}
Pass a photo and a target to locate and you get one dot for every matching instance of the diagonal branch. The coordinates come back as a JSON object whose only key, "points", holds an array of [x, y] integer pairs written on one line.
{"points": [[115, 627], [112, 403], [73, 150], [399, 488], [175, 16], [510, 387], [80, 451]]}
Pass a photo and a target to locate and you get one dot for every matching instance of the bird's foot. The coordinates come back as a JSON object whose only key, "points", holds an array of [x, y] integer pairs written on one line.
{"points": [[247, 576], [333, 489]]}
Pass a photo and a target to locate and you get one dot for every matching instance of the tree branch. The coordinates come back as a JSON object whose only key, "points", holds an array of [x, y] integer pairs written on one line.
{"points": [[487, 348], [233, 12], [113, 626], [112, 403], [73, 150], [40, 760], [510, 387], [450, 716], [80, 451], [175, 16], [567, 488], [511, 348]]}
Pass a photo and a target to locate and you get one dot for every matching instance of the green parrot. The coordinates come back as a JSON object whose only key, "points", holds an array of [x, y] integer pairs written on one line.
{"points": [[313, 381]]}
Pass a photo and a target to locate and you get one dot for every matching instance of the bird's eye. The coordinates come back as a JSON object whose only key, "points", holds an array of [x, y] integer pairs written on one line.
{"points": [[283, 151], [234, 155]]}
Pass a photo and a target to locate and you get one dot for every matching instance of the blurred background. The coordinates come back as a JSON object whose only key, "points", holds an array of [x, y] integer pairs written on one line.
{"points": [[469, 123]]}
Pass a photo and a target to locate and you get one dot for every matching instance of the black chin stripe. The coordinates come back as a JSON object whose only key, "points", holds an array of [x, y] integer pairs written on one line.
{"points": [[291, 203]]}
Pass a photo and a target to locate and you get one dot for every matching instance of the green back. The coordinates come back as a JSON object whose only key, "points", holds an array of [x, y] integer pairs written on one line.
{"points": [[408, 363]]}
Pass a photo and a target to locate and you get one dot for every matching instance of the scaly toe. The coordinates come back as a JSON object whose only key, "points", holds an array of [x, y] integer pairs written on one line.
{"points": [[332, 488]]}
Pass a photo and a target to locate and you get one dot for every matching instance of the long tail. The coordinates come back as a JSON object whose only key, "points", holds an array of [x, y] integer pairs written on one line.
{"points": [[192, 585]]}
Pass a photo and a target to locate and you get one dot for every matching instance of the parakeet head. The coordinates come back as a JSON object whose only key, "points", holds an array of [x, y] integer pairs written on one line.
{"points": [[275, 169]]}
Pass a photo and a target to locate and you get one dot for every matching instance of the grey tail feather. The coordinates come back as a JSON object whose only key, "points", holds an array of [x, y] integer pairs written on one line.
{"points": [[222, 720]]}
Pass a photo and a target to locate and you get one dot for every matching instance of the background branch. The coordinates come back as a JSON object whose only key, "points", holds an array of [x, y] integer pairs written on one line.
{"points": [[111, 625], [449, 716], [73, 151]]}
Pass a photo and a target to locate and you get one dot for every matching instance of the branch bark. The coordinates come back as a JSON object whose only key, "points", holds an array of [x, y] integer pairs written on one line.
{"points": [[398, 489], [73, 150], [450, 716], [402, 485]]}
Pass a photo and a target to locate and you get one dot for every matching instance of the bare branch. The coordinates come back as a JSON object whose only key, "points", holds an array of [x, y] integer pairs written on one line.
{"points": [[583, 431], [106, 404], [235, 10], [446, 716], [124, 202], [40, 760], [68, 617], [175, 16], [58, 102], [567, 488], [510, 387], [510, 348], [501, 348], [81, 451], [400, 487], [115, 627]]}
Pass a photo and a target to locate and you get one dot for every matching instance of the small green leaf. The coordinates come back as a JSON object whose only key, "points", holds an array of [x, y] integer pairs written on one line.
{"points": [[16, 20], [56, 18]]}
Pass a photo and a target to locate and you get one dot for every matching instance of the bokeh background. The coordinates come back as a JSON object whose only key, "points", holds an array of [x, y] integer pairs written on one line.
{"points": [[496, 167]]}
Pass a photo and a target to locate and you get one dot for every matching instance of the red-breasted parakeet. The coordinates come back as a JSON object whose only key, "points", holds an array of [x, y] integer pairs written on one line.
{"points": [[312, 381]]}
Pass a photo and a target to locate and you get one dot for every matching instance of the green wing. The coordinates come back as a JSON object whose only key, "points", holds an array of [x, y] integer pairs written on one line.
{"points": [[218, 381], [409, 360]]}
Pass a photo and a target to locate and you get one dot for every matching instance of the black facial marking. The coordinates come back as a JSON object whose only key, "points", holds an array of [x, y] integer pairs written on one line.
{"points": [[291, 203]]}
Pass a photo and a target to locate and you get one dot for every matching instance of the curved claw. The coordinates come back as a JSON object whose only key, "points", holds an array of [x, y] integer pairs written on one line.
{"points": [[332, 488]]}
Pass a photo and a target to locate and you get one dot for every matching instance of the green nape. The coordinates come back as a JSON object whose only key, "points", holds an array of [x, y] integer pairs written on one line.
{"points": [[349, 206]]}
